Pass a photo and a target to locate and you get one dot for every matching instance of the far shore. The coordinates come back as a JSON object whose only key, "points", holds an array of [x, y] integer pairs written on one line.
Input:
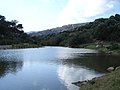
{"points": [[6, 46], [106, 47], [18, 46]]}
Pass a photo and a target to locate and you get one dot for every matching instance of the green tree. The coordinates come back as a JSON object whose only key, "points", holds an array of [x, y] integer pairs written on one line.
{"points": [[19, 27]]}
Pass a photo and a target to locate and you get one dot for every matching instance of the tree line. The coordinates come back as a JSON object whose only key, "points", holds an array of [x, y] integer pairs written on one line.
{"points": [[12, 33], [102, 29]]}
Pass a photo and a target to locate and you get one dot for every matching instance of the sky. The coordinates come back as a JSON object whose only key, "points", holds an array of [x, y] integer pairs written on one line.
{"points": [[38, 15]]}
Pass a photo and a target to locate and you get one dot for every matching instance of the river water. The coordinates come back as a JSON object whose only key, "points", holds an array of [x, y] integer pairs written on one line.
{"points": [[51, 68]]}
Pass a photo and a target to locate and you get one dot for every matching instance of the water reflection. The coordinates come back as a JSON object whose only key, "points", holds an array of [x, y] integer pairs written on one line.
{"points": [[9, 67], [98, 62], [10, 62], [72, 53], [50, 68], [70, 73]]}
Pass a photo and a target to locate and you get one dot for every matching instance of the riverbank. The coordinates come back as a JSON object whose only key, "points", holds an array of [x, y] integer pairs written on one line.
{"points": [[18, 46], [110, 81], [106, 47]]}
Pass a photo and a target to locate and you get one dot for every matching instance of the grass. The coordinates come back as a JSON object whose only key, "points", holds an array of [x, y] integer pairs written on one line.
{"points": [[110, 81], [107, 47]]}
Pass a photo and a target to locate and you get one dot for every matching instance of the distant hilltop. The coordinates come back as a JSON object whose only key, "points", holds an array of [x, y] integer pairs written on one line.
{"points": [[56, 30]]}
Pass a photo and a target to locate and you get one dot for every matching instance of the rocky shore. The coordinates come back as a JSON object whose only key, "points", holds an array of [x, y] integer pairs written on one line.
{"points": [[109, 81]]}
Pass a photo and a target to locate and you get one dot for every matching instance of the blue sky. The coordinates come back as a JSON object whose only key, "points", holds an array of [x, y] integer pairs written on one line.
{"points": [[37, 15]]}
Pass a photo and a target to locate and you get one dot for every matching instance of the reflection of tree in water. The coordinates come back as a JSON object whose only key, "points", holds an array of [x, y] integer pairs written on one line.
{"points": [[11, 61], [9, 67], [97, 62]]}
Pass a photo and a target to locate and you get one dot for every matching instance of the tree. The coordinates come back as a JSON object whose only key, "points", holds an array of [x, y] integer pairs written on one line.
{"points": [[13, 23], [2, 18], [19, 27], [117, 17], [12, 33]]}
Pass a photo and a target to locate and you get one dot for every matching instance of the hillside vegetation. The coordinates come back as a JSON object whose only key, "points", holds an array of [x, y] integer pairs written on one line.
{"points": [[101, 30], [12, 33], [56, 30]]}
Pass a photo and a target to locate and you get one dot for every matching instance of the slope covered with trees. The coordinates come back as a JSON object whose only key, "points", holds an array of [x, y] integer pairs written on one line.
{"points": [[102, 29], [12, 33]]}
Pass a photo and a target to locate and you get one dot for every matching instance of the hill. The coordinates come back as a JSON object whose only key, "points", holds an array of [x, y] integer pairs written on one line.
{"points": [[56, 30], [101, 30]]}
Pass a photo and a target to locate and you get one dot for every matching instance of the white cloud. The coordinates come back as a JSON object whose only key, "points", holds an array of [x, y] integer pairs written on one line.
{"points": [[77, 11], [46, 1], [41, 14], [50, 1]]}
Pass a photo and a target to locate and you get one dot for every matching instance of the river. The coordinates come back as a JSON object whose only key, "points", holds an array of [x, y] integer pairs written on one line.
{"points": [[51, 68]]}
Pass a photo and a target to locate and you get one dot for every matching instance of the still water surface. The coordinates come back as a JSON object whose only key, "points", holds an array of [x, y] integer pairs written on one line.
{"points": [[51, 68]]}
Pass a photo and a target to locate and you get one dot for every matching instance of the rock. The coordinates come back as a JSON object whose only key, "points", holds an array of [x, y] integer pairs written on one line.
{"points": [[110, 69], [109, 52], [97, 46], [117, 68], [84, 82], [79, 83], [92, 82]]}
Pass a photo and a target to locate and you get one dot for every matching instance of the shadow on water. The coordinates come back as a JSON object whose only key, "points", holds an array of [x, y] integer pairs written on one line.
{"points": [[97, 62]]}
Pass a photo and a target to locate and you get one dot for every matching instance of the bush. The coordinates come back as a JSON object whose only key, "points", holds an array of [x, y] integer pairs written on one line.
{"points": [[114, 46]]}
